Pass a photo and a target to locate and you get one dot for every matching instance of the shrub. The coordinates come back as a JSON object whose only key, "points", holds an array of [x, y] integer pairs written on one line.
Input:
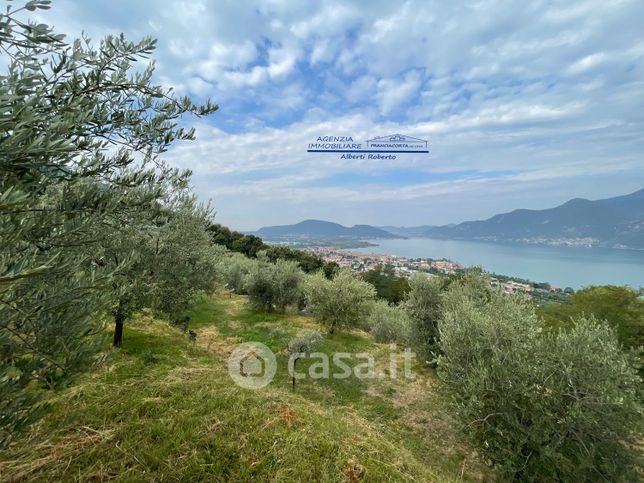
{"points": [[389, 323], [541, 408], [343, 301], [423, 310], [235, 267], [388, 285], [288, 281], [273, 286], [621, 307]]}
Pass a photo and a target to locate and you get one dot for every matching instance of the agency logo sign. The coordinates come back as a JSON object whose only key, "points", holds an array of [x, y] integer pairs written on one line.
{"points": [[380, 147], [252, 365], [398, 142]]}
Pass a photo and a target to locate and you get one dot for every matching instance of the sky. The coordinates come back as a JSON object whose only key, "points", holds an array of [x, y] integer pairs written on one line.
{"points": [[524, 104]]}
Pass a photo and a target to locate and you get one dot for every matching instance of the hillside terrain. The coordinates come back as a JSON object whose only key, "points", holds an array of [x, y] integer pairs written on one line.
{"points": [[165, 409], [613, 222], [318, 229]]}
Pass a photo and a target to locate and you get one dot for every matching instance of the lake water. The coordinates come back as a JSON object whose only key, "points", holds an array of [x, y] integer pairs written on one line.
{"points": [[561, 266]]}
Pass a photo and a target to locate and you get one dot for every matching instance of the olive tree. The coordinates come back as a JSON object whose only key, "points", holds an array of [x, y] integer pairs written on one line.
{"points": [[426, 303], [540, 408], [234, 268], [288, 280], [389, 323], [80, 126], [343, 301], [273, 286], [172, 259], [423, 309], [183, 258]]}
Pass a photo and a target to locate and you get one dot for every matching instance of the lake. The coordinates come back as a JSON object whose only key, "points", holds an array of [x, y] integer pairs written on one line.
{"points": [[561, 266]]}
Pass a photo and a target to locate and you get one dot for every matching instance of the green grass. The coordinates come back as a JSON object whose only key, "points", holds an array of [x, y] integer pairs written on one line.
{"points": [[164, 409]]}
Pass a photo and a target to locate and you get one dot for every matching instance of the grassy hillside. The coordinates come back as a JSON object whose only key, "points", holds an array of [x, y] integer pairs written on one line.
{"points": [[164, 409]]}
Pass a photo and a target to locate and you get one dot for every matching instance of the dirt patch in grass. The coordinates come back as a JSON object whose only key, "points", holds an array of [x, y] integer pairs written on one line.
{"points": [[412, 393], [212, 341], [235, 303], [304, 322]]}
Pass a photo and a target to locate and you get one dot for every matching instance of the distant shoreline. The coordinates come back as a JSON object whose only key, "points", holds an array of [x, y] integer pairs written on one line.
{"points": [[561, 266], [517, 243]]}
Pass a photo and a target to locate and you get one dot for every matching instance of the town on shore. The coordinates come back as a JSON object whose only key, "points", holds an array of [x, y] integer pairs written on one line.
{"points": [[406, 267]]}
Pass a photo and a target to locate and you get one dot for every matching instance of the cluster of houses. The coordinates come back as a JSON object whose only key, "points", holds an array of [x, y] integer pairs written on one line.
{"points": [[511, 286], [406, 267], [363, 262]]}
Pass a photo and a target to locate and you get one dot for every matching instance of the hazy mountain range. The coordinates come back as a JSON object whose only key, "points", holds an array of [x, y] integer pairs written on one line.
{"points": [[322, 230], [610, 222], [613, 222]]}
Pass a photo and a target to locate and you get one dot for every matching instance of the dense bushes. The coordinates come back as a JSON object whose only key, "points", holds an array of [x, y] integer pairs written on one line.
{"points": [[248, 245], [251, 245], [423, 310], [389, 323], [621, 307], [388, 285], [541, 408], [343, 301], [273, 286]]}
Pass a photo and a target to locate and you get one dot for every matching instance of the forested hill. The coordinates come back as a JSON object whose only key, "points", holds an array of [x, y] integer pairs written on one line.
{"points": [[611, 222], [322, 229]]}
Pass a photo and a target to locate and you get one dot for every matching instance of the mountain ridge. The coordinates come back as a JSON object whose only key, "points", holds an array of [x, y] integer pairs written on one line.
{"points": [[324, 230], [616, 222]]}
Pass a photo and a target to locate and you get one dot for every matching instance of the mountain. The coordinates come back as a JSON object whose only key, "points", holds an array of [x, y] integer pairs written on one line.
{"points": [[322, 229], [612, 222], [407, 231]]}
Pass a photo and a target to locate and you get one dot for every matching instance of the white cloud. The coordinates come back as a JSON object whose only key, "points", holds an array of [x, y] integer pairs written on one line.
{"points": [[393, 92], [545, 90], [587, 62]]}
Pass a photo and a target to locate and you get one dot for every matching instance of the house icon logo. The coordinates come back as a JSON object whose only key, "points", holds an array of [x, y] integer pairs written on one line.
{"points": [[252, 365], [396, 141]]}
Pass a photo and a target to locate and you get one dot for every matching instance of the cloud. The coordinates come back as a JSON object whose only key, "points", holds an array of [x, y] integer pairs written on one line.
{"points": [[393, 92], [538, 96]]}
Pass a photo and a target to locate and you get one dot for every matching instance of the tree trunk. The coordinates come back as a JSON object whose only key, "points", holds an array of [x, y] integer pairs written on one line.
{"points": [[118, 330], [332, 328], [293, 376]]}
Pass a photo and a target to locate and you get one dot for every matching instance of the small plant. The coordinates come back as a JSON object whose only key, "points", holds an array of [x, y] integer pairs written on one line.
{"points": [[303, 343], [149, 357], [192, 335]]}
